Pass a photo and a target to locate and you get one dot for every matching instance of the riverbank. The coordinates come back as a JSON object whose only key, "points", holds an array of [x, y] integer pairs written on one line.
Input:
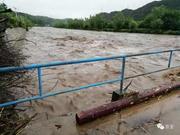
{"points": [[137, 31]]}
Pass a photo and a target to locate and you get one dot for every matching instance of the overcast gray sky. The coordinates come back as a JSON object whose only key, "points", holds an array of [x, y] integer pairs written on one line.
{"points": [[72, 8]]}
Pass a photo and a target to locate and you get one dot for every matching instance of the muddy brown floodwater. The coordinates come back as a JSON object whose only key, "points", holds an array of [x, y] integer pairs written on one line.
{"points": [[56, 115]]}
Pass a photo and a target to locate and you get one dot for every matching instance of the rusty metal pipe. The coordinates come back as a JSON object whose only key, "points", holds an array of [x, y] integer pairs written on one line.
{"points": [[92, 114]]}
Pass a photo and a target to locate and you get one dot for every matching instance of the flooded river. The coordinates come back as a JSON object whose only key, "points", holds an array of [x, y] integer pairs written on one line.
{"points": [[56, 115]]}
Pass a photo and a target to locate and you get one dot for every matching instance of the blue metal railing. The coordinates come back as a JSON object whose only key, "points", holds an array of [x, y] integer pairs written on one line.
{"points": [[121, 79]]}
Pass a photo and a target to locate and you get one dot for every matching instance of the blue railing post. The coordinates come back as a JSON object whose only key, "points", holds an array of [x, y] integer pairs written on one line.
{"points": [[122, 73], [170, 59], [40, 81]]}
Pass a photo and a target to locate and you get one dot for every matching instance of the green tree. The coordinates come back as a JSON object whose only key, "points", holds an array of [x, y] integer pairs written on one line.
{"points": [[162, 18], [118, 21], [59, 24], [157, 24], [3, 7], [171, 20], [133, 24], [97, 22], [75, 23]]}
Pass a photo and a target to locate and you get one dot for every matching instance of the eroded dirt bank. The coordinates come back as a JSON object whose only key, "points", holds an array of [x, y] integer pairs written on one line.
{"points": [[56, 114]]}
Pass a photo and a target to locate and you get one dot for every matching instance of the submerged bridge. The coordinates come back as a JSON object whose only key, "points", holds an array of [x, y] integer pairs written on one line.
{"points": [[121, 78]]}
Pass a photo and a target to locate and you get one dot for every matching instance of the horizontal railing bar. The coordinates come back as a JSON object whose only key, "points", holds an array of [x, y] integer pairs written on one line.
{"points": [[175, 50], [20, 101], [130, 77], [92, 85], [59, 92], [148, 53], [33, 66], [76, 89]]}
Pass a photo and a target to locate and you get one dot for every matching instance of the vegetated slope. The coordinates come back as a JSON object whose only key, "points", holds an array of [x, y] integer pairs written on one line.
{"points": [[18, 19], [141, 12], [38, 20], [137, 14]]}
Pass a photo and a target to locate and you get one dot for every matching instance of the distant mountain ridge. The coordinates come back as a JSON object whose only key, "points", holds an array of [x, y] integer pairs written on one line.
{"points": [[38, 20], [141, 12], [137, 14]]}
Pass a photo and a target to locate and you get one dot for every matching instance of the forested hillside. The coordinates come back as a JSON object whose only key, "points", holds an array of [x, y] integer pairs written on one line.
{"points": [[140, 13], [18, 19], [155, 17]]}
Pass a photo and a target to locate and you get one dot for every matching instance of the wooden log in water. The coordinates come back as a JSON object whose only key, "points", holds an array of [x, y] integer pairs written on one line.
{"points": [[94, 113]]}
